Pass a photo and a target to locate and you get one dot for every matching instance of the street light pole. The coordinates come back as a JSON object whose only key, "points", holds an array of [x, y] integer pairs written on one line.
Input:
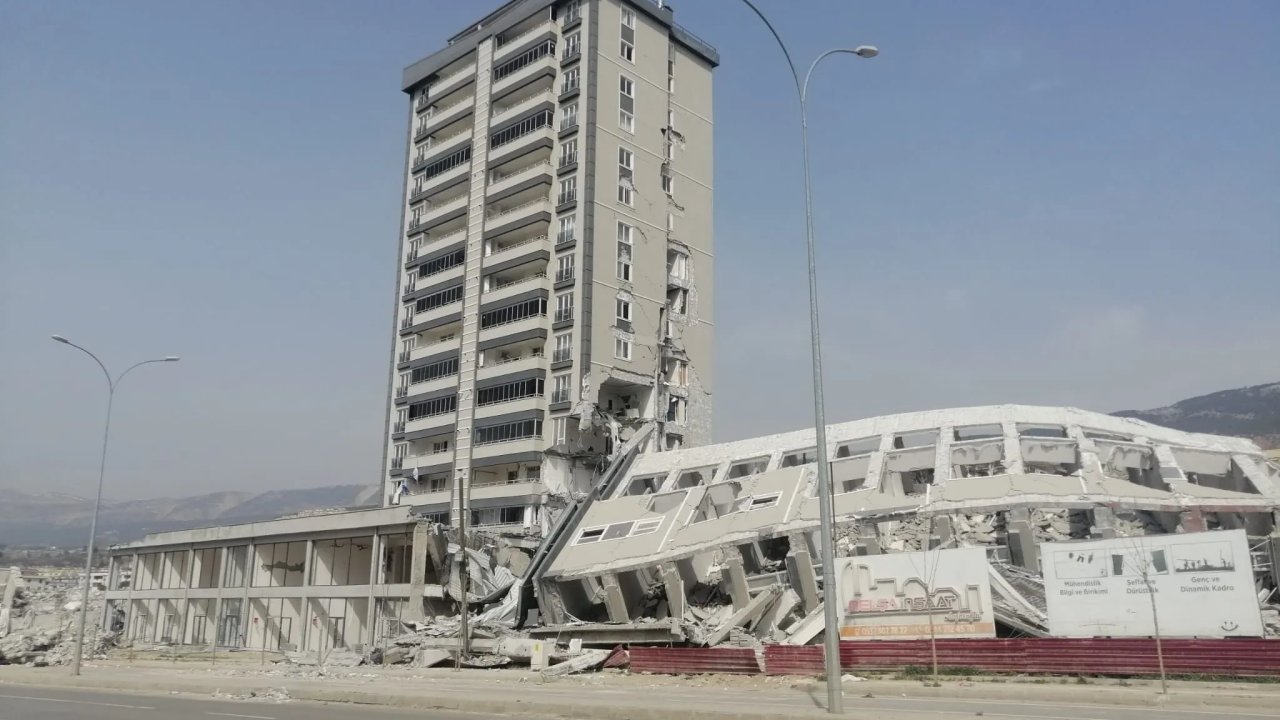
{"points": [[97, 503], [826, 506]]}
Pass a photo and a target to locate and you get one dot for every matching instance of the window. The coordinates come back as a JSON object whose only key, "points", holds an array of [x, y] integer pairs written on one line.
{"points": [[564, 348], [509, 391], [626, 163], [442, 263], [508, 432], [572, 45], [498, 516], [671, 76], [524, 59], [622, 348], [568, 116], [431, 408], [513, 313], [569, 152], [678, 301], [559, 430], [623, 307], [434, 371], [565, 235], [447, 163], [627, 45], [668, 185], [675, 410], [678, 373], [669, 151], [570, 82], [572, 11], [678, 265], [520, 129], [626, 103], [564, 306], [440, 299], [560, 385], [440, 446], [624, 251], [564, 268], [568, 190]]}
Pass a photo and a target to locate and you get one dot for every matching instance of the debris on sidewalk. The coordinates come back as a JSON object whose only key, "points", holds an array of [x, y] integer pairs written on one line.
{"points": [[588, 660]]}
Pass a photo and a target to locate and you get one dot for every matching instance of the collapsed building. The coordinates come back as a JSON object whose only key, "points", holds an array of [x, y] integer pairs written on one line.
{"points": [[710, 544]]}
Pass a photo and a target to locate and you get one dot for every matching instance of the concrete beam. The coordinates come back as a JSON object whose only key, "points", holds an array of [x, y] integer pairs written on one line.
{"points": [[748, 614]]}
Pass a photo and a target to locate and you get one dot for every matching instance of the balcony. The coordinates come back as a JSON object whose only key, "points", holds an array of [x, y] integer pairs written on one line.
{"points": [[501, 253], [504, 177], [427, 349], [567, 160], [428, 460], [446, 84], [518, 35], [437, 313], [503, 214], [443, 382], [426, 245], [522, 69], [677, 280], [496, 332], [519, 103], [440, 115], [434, 211], [514, 287], [520, 363], [509, 406], [438, 182], [441, 140], [511, 447], [429, 422], [517, 139]]}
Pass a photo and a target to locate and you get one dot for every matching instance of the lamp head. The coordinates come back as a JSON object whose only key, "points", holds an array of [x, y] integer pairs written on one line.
{"points": [[171, 358], [866, 51], [61, 339]]}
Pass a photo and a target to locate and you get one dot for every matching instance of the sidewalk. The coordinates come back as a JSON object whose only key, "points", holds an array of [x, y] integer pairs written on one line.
{"points": [[613, 695]]}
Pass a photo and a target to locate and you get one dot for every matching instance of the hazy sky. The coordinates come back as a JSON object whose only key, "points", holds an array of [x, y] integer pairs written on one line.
{"points": [[1036, 202]]}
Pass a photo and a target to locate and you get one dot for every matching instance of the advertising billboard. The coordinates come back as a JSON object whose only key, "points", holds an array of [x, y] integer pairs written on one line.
{"points": [[1202, 584], [899, 595]]}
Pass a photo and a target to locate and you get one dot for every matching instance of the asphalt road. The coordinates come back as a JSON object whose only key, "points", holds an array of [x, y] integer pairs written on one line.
{"points": [[23, 702]]}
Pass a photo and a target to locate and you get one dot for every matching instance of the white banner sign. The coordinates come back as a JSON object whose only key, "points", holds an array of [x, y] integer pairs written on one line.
{"points": [[899, 595], [1202, 583]]}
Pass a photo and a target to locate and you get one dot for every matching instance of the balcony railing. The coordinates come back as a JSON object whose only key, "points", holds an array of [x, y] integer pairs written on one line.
{"points": [[513, 320], [501, 212], [493, 249], [527, 126], [524, 59], [567, 197], [449, 79], [503, 40], [504, 286], [498, 176]]}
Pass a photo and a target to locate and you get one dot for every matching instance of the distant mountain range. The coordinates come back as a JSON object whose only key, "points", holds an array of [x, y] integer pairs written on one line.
{"points": [[59, 519], [1249, 412]]}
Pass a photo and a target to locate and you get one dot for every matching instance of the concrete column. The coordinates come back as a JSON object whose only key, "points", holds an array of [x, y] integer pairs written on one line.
{"points": [[614, 601], [868, 541], [674, 585], [185, 616], [308, 560], [734, 579], [250, 563], [803, 579], [1104, 524], [942, 532], [418, 572], [1022, 543], [942, 455], [375, 577], [1012, 448]]}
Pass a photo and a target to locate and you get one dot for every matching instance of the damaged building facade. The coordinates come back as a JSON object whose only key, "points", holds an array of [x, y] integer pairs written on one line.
{"points": [[716, 543], [554, 285], [716, 538]]}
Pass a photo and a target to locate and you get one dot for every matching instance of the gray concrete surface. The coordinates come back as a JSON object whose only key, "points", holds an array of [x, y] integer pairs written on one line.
{"points": [[29, 702], [442, 693]]}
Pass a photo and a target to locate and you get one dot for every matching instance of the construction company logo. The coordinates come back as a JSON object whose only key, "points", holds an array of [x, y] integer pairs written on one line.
{"points": [[896, 601]]}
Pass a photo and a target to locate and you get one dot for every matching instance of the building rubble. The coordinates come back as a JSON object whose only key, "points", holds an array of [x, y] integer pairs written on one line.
{"points": [[38, 622]]}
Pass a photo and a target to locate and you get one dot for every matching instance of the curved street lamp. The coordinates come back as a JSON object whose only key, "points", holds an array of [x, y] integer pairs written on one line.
{"points": [[826, 507], [112, 384]]}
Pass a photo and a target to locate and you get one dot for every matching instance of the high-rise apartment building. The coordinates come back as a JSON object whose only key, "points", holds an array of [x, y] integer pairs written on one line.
{"points": [[555, 280]]}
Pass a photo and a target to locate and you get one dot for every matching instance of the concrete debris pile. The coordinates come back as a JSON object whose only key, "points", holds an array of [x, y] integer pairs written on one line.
{"points": [[41, 622]]}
